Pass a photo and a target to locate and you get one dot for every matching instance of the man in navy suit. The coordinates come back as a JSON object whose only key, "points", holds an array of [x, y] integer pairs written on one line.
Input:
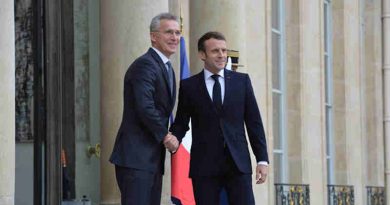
{"points": [[149, 97], [219, 103]]}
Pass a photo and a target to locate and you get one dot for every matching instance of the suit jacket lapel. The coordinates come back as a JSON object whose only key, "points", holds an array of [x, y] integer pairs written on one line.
{"points": [[228, 88], [203, 91], [174, 89], [165, 74]]}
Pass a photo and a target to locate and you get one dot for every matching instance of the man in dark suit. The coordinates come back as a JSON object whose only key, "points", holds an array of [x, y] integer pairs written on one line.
{"points": [[149, 97], [219, 103]]}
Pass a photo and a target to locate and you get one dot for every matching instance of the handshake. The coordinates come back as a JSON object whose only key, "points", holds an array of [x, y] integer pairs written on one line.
{"points": [[171, 143]]}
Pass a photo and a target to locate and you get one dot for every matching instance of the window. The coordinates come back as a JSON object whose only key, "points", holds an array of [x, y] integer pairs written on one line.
{"points": [[278, 91], [328, 91]]}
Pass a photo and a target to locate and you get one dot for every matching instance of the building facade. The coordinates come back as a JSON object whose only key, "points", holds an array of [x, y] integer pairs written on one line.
{"points": [[320, 71]]}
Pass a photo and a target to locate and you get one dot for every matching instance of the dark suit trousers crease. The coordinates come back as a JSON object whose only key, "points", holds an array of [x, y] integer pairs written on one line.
{"points": [[138, 187], [238, 186]]}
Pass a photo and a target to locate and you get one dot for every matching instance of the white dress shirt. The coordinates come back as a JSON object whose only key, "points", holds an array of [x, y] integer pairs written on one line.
{"points": [[210, 82], [163, 57]]}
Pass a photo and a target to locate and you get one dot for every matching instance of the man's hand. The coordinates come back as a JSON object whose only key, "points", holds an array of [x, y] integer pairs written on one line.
{"points": [[171, 142], [261, 173]]}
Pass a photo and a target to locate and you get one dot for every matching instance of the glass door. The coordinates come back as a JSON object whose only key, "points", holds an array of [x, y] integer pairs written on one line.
{"points": [[81, 153]]}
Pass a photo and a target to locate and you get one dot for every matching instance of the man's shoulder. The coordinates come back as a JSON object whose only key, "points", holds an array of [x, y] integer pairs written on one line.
{"points": [[145, 60], [191, 80], [146, 57], [236, 73], [189, 84], [144, 64]]}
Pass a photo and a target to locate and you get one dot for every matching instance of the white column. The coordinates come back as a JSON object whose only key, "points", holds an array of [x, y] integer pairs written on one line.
{"points": [[353, 102], [312, 100], [124, 36], [225, 16], [256, 59], [7, 103], [386, 89]]}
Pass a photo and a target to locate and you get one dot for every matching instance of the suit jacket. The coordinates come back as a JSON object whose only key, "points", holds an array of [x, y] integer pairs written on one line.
{"points": [[239, 108], [148, 103]]}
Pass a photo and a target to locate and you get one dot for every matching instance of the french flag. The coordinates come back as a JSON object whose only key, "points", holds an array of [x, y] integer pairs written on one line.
{"points": [[181, 184]]}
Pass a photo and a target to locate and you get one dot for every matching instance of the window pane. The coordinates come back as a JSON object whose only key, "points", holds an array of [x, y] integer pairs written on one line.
{"points": [[276, 120], [326, 27], [24, 71], [327, 97], [328, 121], [278, 167], [275, 61], [330, 171], [275, 14]]}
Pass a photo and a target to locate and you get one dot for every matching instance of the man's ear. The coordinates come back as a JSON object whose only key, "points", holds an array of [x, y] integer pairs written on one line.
{"points": [[153, 37], [202, 55]]}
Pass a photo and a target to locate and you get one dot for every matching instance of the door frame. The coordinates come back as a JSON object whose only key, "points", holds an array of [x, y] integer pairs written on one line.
{"points": [[54, 100]]}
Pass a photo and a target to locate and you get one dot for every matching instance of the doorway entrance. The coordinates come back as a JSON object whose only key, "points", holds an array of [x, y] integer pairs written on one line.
{"points": [[57, 159]]}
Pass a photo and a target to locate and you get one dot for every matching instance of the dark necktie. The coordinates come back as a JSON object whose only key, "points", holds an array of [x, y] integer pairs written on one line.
{"points": [[170, 76], [217, 98]]}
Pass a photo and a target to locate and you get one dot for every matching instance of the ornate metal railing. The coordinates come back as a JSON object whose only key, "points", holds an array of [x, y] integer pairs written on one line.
{"points": [[340, 195], [375, 195], [292, 194]]}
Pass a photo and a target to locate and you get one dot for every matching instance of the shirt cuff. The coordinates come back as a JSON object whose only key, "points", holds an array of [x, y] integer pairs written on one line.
{"points": [[262, 163]]}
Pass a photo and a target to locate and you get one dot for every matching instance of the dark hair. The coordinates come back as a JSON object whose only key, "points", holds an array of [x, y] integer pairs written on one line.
{"points": [[211, 34], [155, 23]]}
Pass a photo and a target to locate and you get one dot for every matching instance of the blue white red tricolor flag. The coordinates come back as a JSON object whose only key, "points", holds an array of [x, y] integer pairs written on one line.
{"points": [[181, 184]]}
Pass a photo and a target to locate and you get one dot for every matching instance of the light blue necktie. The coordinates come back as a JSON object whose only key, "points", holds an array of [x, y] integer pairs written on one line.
{"points": [[170, 76]]}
